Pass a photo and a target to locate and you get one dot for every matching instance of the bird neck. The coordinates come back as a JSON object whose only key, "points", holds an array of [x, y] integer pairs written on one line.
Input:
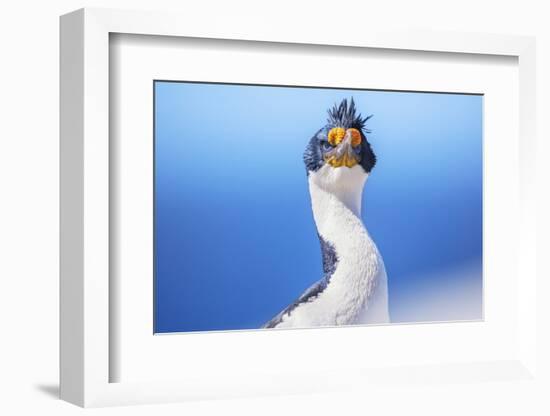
{"points": [[342, 199], [355, 275], [351, 262], [337, 216], [336, 205]]}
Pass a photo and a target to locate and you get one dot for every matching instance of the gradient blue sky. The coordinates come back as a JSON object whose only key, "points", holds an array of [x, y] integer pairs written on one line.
{"points": [[235, 239]]}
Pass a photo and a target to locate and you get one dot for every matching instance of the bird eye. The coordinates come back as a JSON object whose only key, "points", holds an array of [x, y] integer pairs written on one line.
{"points": [[357, 149], [326, 146]]}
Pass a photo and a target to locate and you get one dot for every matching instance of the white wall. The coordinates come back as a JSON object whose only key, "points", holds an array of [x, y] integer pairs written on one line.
{"points": [[29, 190]]}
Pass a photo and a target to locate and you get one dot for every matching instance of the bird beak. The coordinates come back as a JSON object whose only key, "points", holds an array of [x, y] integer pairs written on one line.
{"points": [[343, 154]]}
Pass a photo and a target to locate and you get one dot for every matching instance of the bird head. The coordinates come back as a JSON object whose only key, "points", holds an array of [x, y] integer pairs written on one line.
{"points": [[340, 151]]}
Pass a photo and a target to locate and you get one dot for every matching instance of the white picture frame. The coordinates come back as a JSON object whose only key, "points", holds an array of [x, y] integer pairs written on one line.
{"points": [[86, 302]]}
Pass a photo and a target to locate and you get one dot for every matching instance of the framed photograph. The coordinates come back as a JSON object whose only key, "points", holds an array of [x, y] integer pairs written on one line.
{"points": [[232, 206], [278, 233]]}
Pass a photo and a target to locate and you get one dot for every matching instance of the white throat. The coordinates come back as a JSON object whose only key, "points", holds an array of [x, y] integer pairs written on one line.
{"points": [[341, 186]]}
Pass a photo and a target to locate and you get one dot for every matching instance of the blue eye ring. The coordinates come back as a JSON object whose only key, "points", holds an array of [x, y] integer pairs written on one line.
{"points": [[326, 146]]}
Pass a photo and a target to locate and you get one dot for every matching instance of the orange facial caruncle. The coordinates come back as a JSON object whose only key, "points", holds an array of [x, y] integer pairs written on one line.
{"points": [[337, 134], [344, 144]]}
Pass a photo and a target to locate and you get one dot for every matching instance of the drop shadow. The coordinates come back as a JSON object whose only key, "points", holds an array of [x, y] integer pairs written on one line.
{"points": [[51, 390]]}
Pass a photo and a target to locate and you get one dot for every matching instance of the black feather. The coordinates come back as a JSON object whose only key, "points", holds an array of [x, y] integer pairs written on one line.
{"points": [[344, 115], [330, 260]]}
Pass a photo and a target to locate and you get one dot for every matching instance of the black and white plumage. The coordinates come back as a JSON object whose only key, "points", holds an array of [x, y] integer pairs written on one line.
{"points": [[353, 289]]}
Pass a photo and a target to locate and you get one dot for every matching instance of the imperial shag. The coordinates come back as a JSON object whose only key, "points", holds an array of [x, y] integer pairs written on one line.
{"points": [[353, 289]]}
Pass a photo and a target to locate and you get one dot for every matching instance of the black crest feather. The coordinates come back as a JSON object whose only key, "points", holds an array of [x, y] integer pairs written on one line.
{"points": [[344, 115]]}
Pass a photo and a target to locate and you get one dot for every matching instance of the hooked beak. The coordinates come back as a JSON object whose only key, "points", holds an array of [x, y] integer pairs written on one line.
{"points": [[343, 154]]}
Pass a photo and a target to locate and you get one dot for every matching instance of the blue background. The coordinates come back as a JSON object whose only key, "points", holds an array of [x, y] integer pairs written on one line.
{"points": [[235, 240]]}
